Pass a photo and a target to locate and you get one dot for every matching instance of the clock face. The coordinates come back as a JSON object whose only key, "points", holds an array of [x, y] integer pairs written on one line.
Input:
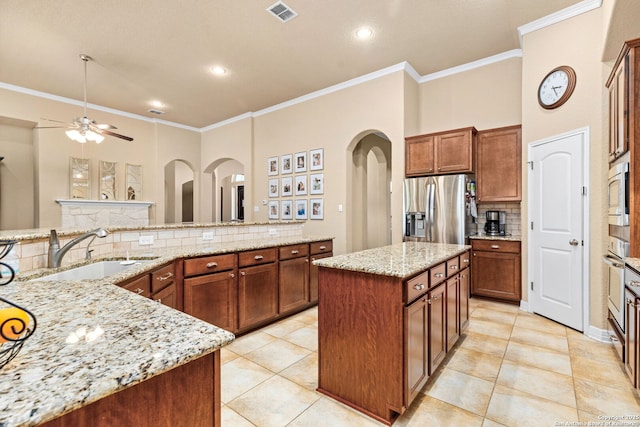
{"points": [[556, 87]]}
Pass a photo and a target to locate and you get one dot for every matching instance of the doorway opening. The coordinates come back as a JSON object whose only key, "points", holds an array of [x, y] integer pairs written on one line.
{"points": [[369, 192], [178, 192], [225, 182]]}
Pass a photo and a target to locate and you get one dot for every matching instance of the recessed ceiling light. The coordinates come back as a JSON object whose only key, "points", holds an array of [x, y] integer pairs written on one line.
{"points": [[364, 33], [157, 104], [218, 70]]}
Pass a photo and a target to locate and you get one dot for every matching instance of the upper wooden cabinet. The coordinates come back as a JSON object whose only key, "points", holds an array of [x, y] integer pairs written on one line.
{"points": [[498, 165], [618, 86], [440, 153]]}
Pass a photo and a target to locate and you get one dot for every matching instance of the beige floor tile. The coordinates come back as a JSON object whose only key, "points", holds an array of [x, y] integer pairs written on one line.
{"points": [[232, 418], [227, 355], [539, 357], [586, 417], [461, 390], [488, 423], [513, 408], [278, 355], [600, 399], [239, 376], [583, 346], [482, 313], [304, 372], [545, 384], [250, 342], [283, 327], [485, 327], [609, 374], [475, 363], [308, 317], [428, 411], [484, 343], [328, 412], [540, 323], [306, 337], [540, 339], [494, 305], [275, 402]]}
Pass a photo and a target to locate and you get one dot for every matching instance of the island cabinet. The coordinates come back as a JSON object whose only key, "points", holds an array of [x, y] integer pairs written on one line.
{"points": [[496, 271], [440, 153], [381, 337], [210, 289], [293, 278], [159, 285], [499, 165], [257, 287], [319, 250]]}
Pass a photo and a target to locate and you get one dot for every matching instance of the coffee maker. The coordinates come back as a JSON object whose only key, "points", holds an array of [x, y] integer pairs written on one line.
{"points": [[496, 223]]}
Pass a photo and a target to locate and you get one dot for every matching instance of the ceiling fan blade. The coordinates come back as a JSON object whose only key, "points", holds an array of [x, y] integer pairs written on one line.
{"points": [[51, 127], [104, 126], [117, 135], [51, 120]]}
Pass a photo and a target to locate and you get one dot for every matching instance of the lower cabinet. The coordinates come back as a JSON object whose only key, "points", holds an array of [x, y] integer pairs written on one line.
{"points": [[453, 310], [257, 288], [416, 325], [496, 269], [318, 250], [212, 298], [293, 278], [631, 312], [158, 285], [437, 327], [463, 282]]}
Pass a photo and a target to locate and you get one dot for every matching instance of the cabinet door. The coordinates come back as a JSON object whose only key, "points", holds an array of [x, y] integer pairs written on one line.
{"points": [[140, 285], [313, 277], [418, 154], [437, 327], [212, 298], [453, 317], [167, 296], [630, 349], [293, 289], [496, 275], [464, 298], [453, 152], [416, 320], [498, 166], [257, 295]]}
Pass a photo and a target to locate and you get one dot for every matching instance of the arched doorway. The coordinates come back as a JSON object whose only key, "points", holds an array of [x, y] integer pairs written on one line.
{"points": [[369, 224], [224, 181], [178, 192]]}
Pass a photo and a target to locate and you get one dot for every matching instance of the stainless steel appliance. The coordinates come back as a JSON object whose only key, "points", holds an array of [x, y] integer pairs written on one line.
{"points": [[618, 249], [434, 209], [496, 223], [618, 188]]}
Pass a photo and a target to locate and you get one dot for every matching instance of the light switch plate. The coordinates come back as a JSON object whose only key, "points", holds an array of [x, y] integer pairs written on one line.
{"points": [[207, 235], [272, 232], [145, 240]]}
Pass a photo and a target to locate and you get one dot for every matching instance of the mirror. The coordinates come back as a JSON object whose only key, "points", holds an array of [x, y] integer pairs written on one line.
{"points": [[79, 178], [107, 180], [134, 182]]}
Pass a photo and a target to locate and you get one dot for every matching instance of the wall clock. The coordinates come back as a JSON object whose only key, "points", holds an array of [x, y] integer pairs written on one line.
{"points": [[556, 87]]}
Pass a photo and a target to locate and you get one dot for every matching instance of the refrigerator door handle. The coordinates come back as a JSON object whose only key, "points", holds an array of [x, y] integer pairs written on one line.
{"points": [[430, 208]]}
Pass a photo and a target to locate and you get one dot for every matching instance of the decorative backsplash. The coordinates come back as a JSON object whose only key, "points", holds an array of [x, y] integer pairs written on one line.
{"points": [[513, 217]]}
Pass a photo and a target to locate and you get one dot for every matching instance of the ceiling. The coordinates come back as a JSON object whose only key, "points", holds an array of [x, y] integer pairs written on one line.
{"points": [[163, 50]]}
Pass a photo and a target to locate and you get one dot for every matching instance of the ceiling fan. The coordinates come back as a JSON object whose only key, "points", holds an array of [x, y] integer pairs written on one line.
{"points": [[83, 129]]}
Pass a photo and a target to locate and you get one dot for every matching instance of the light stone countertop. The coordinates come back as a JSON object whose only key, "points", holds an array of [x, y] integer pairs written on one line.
{"points": [[634, 263], [483, 236], [94, 338], [401, 260]]}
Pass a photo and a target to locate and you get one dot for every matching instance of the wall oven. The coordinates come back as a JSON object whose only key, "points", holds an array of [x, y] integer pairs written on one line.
{"points": [[618, 188], [614, 274]]}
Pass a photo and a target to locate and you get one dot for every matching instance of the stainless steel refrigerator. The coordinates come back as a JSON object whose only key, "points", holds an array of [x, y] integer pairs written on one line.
{"points": [[435, 209]]}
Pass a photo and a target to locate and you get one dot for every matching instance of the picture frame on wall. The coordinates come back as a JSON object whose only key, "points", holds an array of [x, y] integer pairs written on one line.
{"points": [[272, 166], [273, 187], [273, 209], [316, 161], [301, 185], [286, 209], [301, 209], [287, 186], [286, 164], [300, 162], [316, 183], [316, 210]]}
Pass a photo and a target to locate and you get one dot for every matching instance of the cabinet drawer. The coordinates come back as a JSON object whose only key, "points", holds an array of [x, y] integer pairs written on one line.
{"points": [[321, 247], [259, 256], [437, 274], [453, 265], [140, 286], [294, 251], [465, 260], [496, 245], [209, 264], [416, 286], [162, 277]]}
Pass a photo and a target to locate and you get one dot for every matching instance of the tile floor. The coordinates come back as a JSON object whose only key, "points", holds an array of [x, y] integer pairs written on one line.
{"points": [[510, 368]]}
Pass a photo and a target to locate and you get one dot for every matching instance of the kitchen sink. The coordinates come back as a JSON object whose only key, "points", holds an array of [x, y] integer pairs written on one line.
{"points": [[96, 270]]}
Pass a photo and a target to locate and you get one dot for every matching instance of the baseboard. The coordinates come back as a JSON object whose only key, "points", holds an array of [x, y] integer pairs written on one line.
{"points": [[524, 306], [598, 334]]}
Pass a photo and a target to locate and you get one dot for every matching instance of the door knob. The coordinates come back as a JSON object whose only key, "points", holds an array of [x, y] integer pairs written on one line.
{"points": [[573, 242]]}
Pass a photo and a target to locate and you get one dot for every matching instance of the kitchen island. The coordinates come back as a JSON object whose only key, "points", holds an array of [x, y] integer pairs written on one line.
{"points": [[386, 319]]}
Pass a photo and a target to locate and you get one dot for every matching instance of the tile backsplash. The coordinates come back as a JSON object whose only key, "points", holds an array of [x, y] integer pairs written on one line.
{"points": [[513, 217]]}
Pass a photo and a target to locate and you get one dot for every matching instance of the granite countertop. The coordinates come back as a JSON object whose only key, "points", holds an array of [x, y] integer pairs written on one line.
{"points": [[399, 260], [634, 263], [483, 236], [94, 339]]}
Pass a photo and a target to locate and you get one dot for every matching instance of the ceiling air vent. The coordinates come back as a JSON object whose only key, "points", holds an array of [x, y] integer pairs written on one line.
{"points": [[154, 111], [281, 11]]}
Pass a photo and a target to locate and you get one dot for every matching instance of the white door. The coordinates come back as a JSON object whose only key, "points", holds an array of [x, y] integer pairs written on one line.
{"points": [[557, 212]]}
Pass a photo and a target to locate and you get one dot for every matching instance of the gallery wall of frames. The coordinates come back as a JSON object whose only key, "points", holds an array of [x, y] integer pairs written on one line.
{"points": [[296, 185]]}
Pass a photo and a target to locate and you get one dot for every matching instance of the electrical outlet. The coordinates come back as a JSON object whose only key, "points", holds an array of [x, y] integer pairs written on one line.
{"points": [[272, 232], [145, 240], [207, 235]]}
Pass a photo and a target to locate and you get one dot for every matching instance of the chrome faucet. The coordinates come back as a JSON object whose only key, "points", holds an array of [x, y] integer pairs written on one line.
{"points": [[56, 253]]}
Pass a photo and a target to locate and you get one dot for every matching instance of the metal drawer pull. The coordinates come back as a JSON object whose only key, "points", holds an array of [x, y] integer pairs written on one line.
{"points": [[466, 261], [159, 300], [453, 267], [306, 259], [495, 246], [294, 252], [436, 298], [138, 291], [232, 275], [242, 273], [439, 275], [258, 257], [165, 277], [212, 264], [323, 247], [418, 287], [634, 283]]}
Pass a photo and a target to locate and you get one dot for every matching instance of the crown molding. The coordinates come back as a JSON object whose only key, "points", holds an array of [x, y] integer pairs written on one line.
{"points": [[559, 16], [514, 53]]}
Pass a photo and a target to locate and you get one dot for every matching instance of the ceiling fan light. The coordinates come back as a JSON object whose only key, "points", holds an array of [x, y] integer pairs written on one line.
{"points": [[92, 136]]}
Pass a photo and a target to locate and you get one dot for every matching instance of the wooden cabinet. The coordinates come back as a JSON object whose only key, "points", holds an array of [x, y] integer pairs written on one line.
{"points": [[465, 274], [631, 310], [159, 285], [293, 278], [319, 250], [416, 325], [499, 165], [437, 327], [257, 288], [453, 310], [618, 87], [496, 269], [440, 153]]}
